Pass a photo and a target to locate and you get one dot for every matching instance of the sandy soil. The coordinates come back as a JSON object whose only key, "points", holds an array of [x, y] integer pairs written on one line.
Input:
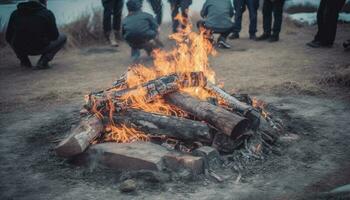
{"points": [[39, 107]]}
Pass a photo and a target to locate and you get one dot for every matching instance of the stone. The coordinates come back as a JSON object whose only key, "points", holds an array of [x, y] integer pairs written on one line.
{"points": [[210, 155], [147, 175], [179, 162], [128, 186], [287, 138], [128, 156]]}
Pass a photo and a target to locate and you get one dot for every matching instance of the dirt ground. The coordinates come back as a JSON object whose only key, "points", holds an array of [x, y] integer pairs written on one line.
{"points": [[39, 107]]}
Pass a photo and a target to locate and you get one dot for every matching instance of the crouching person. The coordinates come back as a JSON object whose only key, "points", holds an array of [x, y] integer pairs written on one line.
{"points": [[140, 30], [32, 30], [217, 17]]}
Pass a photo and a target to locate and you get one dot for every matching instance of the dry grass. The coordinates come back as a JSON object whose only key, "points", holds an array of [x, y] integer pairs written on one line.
{"points": [[340, 76], [86, 30]]}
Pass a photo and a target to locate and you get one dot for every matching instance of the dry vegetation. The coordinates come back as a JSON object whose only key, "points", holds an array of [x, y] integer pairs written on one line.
{"points": [[86, 30]]}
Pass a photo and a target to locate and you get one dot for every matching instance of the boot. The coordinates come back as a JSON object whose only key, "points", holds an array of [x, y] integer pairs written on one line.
{"points": [[274, 38], [25, 62], [252, 36], [43, 63], [264, 36]]}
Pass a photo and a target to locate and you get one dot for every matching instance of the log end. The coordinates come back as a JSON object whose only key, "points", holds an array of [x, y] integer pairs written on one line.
{"points": [[240, 128], [68, 147]]}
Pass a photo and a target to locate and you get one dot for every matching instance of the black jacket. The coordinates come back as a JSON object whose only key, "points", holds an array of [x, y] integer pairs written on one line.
{"points": [[218, 14], [137, 25], [31, 27]]}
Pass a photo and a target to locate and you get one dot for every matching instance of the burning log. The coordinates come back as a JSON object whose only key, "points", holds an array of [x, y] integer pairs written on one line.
{"points": [[88, 129], [150, 90], [225, 121], [171, 126], [245, 109]]}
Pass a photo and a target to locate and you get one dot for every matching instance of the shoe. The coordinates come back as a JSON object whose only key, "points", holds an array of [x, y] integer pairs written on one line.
{"points": [[314, 44], [234, 35], [223, 45], [252, 37], [264, 36], [42, 64], [26, 63], [274, 38]]}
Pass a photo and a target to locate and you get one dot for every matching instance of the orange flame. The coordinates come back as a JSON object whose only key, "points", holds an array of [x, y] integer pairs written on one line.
{"points": [[191, 54]]}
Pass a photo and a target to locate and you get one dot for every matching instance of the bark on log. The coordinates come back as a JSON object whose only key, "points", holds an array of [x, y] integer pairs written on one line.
{"points": [[171, 126], [225, 121], [153, 88], [247, 110], [80, 138]]}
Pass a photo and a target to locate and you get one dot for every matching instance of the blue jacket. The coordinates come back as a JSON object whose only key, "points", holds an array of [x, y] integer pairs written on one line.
{"points": [[138, 25], [218, 14]]}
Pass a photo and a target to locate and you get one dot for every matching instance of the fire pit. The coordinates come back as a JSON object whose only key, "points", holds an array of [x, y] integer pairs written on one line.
{"points": [[171, 115]]}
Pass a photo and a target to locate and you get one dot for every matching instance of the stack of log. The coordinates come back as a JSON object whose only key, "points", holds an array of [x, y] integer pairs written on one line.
{"points": [[221, 125]]}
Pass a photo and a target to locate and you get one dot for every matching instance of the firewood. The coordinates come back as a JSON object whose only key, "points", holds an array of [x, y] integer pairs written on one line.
{"points": [[80, 138], [227, 122], [247, 110], [171, 126], [153, 89]]}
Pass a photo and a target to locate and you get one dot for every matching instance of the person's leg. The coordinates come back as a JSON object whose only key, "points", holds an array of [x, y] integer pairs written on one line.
{"points": [[330, 21], [184, 6], [51, 50], [253, 6], [174, 5], [278, 16], [107, 16], [157, 8], [117, 16], [238, 6], [267, 20], [23, 57], [208, 33], [316, 42]]}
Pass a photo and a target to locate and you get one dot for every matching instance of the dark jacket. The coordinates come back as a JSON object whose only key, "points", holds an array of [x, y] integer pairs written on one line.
{"points": [[182, 3], [217, 14], [31, 27], [139, 25]]}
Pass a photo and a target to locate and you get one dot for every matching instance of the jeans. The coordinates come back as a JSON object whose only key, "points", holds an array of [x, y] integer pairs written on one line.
{"points": [[157, 8], [275, 8], [141, 41], [252, 6], [223, 32], [115, 8], [327, 18], [177, 5], [47, 53]]}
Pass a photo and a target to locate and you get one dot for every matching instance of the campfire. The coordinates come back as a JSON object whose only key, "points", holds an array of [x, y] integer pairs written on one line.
{"points": [[176, 105]]}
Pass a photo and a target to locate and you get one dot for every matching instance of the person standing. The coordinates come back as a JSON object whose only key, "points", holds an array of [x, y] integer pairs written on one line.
{"points": [[275, 8], [32, 30], [327, 18], [177, 5], [240, 6], [157, 7], [217, 17], [112, 8], [140, 30]]}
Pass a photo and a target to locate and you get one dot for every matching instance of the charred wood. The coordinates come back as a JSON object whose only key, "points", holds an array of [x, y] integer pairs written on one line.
{"points": [[227, 122]]}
